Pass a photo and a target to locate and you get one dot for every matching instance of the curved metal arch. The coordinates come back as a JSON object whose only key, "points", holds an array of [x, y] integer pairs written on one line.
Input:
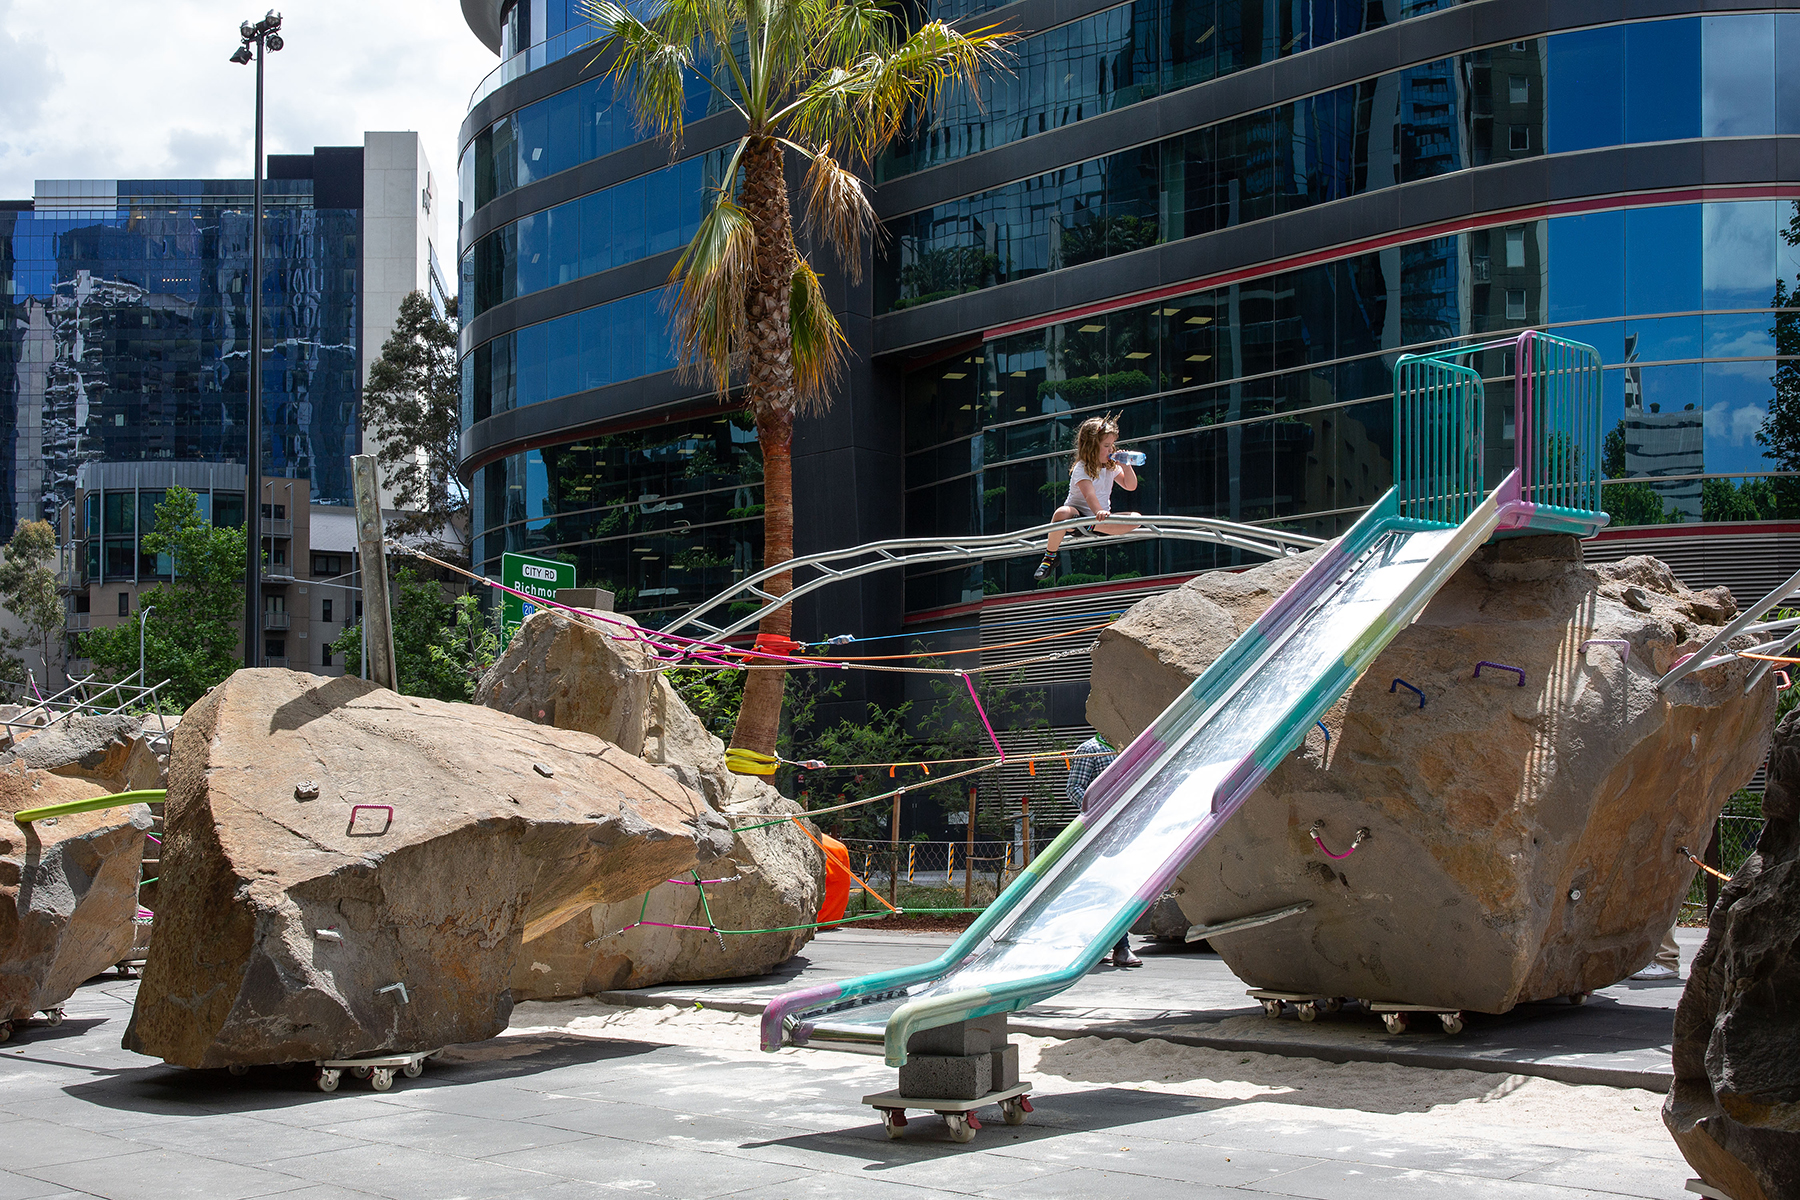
{"points": [[834, 566]]}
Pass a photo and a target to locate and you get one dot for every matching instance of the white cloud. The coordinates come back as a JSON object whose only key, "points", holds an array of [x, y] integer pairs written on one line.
{"points": [[141, 89], [1733, 426]]}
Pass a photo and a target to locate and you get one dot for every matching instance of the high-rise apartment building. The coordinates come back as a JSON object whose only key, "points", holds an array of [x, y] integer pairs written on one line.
{"points": [[1220, 220]]}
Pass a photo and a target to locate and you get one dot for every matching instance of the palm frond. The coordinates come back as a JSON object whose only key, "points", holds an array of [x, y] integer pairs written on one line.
{"points": [[711, 280], [838, 208], [647, 65], [818, 341]]}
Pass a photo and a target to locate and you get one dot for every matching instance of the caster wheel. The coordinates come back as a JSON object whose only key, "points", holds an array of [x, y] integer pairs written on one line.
{"points": [[1395, 1022], [123, 972], [962, 1126], [238, 1069], [383, 1079], [1309, 1011], [5, 1030], [328, 1080], [54, 1017], [362, 1072], [1272, 1009], [893, 1120], [1453, 1022], [1578, 998], [1014, 1110], [413, 1070], [1332, 1005]]}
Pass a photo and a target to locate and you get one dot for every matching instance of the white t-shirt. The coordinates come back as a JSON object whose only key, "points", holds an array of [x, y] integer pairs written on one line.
{"points": [[1102, 488]]}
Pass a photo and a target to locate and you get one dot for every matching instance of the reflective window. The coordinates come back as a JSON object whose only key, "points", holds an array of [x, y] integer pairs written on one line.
{"points": [[605, 344], [605, 229], [1270, 400], [1118, 57], [1569, 92], [661, 517]]}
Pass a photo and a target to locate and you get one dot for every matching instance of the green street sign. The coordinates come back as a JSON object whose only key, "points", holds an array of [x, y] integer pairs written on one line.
{"points": [[533, 576]]}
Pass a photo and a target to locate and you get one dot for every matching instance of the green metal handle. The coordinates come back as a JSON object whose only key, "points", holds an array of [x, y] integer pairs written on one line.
{"points": [[26, 816]]}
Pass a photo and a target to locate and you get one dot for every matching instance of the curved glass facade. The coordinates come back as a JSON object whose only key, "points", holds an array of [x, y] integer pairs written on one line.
{"points": [[611, 227], [662, 517], [1693, 77], [1118, 57], [1271, 400], [608, 343]]}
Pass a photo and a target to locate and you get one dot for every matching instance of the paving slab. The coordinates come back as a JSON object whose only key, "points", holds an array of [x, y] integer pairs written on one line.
{"points": [[1619, 1037]]}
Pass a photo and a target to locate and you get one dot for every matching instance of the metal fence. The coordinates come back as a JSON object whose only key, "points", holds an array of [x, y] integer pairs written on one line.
{"points": [[993, 861]]}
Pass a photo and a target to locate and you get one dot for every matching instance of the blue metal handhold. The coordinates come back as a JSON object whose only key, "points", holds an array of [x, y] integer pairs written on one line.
{"points": [[1401, 683]]}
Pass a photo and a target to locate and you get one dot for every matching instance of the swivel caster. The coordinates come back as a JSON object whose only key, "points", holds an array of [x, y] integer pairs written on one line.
{"points": [[1394, 1022], [1014, 1110], [362, 1072], [1331, 1004], [1272, 1009], [962, 1125], [383, 1079], [328, 1079], [1452, 1022], [893, 1120], [413, 1070], [1308, 1010], [238, 1069], [53, 1017], [5, 1030], [1578, 997]]}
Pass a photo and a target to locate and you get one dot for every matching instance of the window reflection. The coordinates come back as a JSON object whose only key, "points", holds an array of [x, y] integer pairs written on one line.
{"points": [[661, 517], [597, 346], [1269, 400]]}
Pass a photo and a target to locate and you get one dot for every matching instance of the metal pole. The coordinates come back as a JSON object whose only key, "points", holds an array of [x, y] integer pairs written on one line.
{"points": [[969, 855], [253, 425], [377, 617], [894, 848], [142, 614]]}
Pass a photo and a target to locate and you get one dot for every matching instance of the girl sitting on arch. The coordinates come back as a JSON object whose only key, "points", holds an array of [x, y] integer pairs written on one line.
{"points": [[1098, 464]]}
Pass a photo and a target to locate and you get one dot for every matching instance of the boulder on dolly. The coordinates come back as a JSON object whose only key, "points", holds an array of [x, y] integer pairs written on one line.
{"points": [[1522, 841], [68, 889], [349, 871], [596, 676], [1734, 1108]]}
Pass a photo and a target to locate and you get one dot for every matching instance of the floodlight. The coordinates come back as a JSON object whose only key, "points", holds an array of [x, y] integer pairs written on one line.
{"points": [[242, 56]]}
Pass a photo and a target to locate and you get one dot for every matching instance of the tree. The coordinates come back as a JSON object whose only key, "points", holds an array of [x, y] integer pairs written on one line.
{"points": [[193, 638], [413, 406], [441, 645], [1780, 432], [831, 82], [28, 590]]}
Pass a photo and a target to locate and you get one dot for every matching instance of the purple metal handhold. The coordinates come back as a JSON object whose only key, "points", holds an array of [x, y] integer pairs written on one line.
{"points": [[1401, 683], [1623, 645], [356, 808], [1519, 671]]}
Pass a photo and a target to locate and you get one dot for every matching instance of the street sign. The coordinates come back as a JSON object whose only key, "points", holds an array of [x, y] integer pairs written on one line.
{"points": [[539, 577]]}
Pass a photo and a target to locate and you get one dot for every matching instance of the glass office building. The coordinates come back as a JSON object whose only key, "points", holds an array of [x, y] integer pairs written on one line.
{"points": [[1222, 222]]}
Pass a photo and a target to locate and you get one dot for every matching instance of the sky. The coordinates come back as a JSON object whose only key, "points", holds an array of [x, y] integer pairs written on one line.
{"points": [[142, 89]]}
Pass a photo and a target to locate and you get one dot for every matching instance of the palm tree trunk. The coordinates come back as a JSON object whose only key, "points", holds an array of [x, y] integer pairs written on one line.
{"points": [[769, 389]]}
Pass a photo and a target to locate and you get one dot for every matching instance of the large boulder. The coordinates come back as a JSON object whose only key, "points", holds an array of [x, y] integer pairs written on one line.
{"points": [[1734, 1107], [769, 881], [112, 749], [596, 675], [68, 890], [305, 920], [1522, 840]]}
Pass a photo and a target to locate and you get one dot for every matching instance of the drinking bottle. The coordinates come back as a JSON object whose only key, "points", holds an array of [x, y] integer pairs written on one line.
{"points": [[1130, 458]]}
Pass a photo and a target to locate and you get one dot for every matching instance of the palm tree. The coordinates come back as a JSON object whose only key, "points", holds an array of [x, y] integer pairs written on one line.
{"points": [[830, 82]]}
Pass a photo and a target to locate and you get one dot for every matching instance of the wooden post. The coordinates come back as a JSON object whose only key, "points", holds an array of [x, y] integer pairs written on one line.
{"points": [[377, 616], [1024, 832], [894, 847], [969, 855]]}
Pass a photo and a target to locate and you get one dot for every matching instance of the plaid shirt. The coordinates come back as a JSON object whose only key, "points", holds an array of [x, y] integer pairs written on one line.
{"points": [[1083, 771]]}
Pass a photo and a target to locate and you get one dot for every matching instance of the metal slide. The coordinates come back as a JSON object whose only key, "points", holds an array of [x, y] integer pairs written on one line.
{"points": [[1181, 780], [1167, 794]]}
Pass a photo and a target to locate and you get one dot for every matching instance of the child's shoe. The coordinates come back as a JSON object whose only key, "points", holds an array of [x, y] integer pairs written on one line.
{"points": [[1045, 567]]}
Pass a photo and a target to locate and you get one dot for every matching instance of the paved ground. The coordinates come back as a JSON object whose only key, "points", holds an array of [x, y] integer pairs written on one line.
{"points": [[1620, 1036], [551, 1114]]}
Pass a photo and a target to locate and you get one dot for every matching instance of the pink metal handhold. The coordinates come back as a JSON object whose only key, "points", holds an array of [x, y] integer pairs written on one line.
{"points": [[356, 808]]}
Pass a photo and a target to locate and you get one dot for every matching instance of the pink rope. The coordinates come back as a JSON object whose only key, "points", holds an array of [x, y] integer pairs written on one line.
{"points": [[985, 723]]}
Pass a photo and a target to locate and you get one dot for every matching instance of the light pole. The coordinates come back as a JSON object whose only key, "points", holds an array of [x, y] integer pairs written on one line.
{"points": [[144, 612], [265, 36]]}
